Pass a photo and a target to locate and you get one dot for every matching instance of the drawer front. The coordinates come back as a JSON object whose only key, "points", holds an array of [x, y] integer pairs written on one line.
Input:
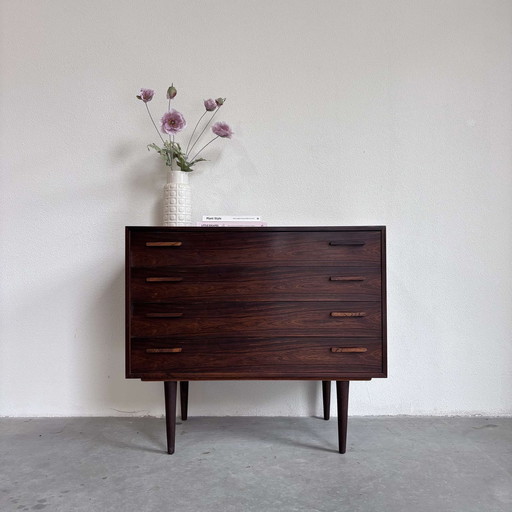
{"points": [[255, 358], [181, 248], [256, 283], [257, 318]]}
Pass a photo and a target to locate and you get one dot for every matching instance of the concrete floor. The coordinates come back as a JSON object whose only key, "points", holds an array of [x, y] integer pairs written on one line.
{"points": [[256, 464]]}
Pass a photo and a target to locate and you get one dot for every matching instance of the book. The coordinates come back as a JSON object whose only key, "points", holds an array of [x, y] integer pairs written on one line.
{"points": [[231, 218], [231, 224]]}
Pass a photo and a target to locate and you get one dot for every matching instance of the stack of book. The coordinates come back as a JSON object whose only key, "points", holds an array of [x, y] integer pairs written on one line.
{"points": [[226, 221]]}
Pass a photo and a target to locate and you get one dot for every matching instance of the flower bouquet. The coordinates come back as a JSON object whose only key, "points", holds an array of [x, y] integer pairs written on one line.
{"points": [[173, 122]]}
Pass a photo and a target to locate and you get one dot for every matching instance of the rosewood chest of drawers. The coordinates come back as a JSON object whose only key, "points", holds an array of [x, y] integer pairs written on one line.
{"points": [[288, 303]]}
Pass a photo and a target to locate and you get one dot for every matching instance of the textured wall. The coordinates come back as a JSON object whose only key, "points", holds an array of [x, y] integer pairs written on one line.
{"points": [[395, 112]]}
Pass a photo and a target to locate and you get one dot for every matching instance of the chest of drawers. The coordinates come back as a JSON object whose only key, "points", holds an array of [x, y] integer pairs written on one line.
{"points": [[255, 303]]}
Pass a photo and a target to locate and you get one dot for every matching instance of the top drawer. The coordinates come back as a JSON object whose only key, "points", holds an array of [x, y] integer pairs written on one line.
{"points": [[171, 246]]}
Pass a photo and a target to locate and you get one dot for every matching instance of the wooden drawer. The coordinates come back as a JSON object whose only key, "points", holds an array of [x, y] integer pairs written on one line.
{"points": [[256, 283], [255, 358], [204, 246], [257, 318]]}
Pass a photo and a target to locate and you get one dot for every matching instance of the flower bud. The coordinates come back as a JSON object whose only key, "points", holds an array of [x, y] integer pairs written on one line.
{"points": [[210, 105], [220, 101], [171, 92]]}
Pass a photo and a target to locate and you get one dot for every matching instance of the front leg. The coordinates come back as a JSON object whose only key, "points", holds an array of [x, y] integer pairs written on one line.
{"points": [[342, 398], [170, 388]]}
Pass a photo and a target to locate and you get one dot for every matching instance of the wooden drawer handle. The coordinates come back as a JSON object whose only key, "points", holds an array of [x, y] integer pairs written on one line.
{"points": [[349, 349], [347, 242], [163, 279], [163, 350], [163, 244], [340, 278], [164, 315], [348, 314]]}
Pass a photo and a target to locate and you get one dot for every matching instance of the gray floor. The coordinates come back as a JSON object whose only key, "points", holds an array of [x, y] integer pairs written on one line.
{"points": [[256, 464]]}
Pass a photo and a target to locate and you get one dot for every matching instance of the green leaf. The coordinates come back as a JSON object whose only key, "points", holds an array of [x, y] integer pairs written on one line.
{"points": [[156, 148]]}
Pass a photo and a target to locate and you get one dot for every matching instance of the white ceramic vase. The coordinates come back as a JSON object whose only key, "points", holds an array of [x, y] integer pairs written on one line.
{"points": [[177, 199]]}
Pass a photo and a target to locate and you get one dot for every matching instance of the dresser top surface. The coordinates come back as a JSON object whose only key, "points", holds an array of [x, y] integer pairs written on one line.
{"points": [[256, 228]]}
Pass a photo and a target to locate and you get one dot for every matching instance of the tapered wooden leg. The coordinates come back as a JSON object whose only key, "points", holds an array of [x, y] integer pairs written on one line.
{"points": [[326, 395], [184, 399], [342, 398], [170, 388]]}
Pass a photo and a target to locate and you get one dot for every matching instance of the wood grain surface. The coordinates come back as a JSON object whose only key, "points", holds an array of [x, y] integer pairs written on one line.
{"points": [[255, 303]]}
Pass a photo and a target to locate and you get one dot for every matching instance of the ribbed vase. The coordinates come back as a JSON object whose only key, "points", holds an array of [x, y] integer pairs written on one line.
{"points": [[177, 199]]}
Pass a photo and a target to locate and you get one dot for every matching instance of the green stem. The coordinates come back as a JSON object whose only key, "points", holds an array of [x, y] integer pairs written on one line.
{"points": [[172, 149], [195, 128], [197, 154], [199, 136], [154, 124]]}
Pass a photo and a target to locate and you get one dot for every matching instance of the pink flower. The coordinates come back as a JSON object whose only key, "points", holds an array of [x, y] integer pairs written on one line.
{"points": [[146, 95], [210, 105], [173, 122], [222, 129]]}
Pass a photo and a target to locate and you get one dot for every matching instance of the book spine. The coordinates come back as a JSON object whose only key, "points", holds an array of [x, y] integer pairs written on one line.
{"points": [[232, 224], [231, 218]]}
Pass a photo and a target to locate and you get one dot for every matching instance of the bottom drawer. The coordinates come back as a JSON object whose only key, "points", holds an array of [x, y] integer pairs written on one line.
{"points": [[254, 358]]}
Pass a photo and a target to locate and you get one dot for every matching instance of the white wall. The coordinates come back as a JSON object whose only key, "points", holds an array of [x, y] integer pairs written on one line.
{"points": [[394, 112]]}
